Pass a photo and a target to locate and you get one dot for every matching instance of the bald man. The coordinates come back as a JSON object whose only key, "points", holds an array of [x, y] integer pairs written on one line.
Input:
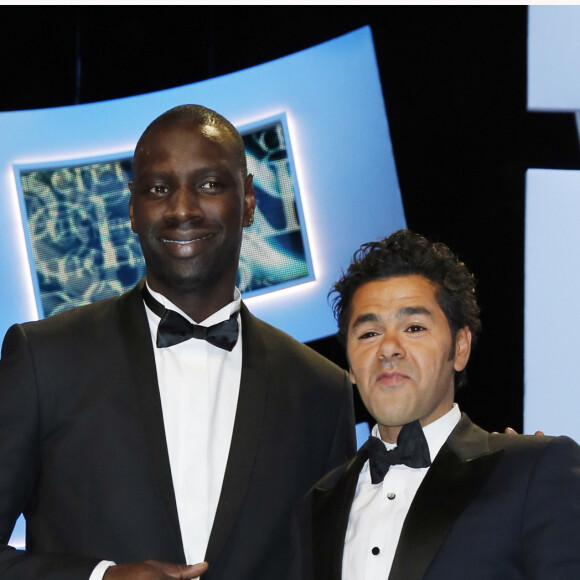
{"points": [[139, 445]]}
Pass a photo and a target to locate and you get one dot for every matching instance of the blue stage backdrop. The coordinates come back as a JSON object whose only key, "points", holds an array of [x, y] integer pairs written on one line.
{"points": [[317, 137]]}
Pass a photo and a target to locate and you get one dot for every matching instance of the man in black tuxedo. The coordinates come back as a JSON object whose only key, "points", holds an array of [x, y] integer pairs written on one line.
{"points": [[133, 449], [431, 495]]}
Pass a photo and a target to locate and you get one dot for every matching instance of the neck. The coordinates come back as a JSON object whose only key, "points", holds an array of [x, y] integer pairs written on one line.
{"points": [[389, 433], [198, 305]]}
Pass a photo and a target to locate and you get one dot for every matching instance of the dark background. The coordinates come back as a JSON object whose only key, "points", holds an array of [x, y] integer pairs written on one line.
{"points": [[454, 82]]}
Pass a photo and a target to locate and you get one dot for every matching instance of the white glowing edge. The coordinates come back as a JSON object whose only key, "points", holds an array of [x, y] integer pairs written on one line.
{"points": [[337, 131], [20, 248]]}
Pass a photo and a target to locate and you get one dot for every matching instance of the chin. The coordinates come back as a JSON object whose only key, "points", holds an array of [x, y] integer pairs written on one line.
{"points": [[394, 419]]}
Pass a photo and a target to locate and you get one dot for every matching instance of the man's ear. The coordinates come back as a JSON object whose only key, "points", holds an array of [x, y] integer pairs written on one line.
{"points": [[462, 348], [249, 200], [131, 218], [352, 379]]}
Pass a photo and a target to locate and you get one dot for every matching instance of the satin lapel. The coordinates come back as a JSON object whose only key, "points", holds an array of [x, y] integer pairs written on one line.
{"points": [[246, 434], [460, 469], [144, 390], [331, 503]]}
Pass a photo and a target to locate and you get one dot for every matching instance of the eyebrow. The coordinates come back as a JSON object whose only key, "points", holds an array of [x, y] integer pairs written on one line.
{"points": [[218, 169], [401, 313], [151, 174], [411, 310], [368, 317]]}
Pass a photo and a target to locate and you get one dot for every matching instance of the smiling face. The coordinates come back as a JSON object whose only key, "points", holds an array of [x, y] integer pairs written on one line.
{"points": [[189, 204], [401, 354]]}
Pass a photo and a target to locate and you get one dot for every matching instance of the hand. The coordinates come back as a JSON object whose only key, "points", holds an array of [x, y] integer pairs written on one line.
{"points": [[511, 431], [153, 570]]}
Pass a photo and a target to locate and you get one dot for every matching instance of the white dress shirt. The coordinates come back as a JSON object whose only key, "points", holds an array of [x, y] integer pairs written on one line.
{"points": [[199, 385], [379, 511]]}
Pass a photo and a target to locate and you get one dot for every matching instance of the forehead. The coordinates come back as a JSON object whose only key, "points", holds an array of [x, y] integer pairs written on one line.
{"points": [[390, 296], [186, 142]]}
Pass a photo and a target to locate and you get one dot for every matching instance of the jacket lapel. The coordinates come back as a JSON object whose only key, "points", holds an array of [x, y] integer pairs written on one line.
{"points": [[245, 436], [144, 390], [460, 469]]}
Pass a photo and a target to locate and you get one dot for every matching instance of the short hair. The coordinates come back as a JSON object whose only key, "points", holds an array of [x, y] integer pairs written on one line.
{"points": [[201, 116], [404, 253]]}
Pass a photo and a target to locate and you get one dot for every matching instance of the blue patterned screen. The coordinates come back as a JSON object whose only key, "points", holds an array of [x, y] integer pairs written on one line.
{"points": [[83, 249]]}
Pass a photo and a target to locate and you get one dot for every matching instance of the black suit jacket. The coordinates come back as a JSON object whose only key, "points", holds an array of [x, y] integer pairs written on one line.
{"points": [[492, 506], [83, 452]]}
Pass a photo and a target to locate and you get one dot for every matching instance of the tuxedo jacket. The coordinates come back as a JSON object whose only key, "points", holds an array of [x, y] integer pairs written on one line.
{"points": [[83, 453], [491, 506]]}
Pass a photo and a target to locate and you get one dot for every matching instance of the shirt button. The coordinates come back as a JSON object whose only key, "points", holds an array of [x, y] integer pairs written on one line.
{"points": [[391, 495], [376, 551]]}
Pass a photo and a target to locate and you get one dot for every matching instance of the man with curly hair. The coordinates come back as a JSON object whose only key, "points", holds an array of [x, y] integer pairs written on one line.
{"points": [[431, 495]]}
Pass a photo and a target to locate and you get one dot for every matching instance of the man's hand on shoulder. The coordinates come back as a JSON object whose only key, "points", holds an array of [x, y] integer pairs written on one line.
{"points": [[153, 570], [510, 431]]}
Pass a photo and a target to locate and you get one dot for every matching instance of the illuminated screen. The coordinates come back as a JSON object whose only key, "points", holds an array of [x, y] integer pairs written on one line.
{"points": [[322, 107], [340, 174], [81, 242]]}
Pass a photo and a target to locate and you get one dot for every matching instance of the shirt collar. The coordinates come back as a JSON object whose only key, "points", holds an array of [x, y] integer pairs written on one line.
{"points": [[219, 316], [436, 433]]}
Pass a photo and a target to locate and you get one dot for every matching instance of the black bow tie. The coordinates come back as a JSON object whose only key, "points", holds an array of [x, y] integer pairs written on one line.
{"points": [[174, 328], [411, 450]]}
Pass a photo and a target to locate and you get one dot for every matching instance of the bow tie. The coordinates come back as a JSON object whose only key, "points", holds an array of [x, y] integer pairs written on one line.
{"points": [[411, 450], [174, 328]]}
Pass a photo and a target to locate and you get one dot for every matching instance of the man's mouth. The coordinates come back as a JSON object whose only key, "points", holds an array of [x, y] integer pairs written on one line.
{"points": [[391, 378], [189, 241]]}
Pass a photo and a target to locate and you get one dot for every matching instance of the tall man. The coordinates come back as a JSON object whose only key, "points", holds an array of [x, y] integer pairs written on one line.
{"points": [[123, 441], [431, 495]]}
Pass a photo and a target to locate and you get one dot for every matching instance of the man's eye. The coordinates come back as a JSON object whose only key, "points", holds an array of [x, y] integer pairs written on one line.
{"points": [[415, 328], [210, 186], [159, 189], [368, 334]]}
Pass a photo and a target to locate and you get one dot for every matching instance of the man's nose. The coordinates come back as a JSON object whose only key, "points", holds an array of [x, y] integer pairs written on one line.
{"points": [[390, 347], [184, 205]]}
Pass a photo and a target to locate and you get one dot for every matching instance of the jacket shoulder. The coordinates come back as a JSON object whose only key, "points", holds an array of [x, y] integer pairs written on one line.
{"points": [[87, 322]]}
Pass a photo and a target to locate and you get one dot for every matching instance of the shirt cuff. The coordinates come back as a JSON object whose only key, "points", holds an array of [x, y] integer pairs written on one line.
{"points": [[100, 570]]}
